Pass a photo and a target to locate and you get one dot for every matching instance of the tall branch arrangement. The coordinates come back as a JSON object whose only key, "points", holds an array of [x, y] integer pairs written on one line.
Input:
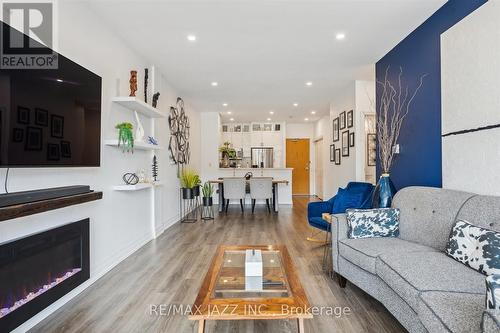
{"points": [[395, 103]]}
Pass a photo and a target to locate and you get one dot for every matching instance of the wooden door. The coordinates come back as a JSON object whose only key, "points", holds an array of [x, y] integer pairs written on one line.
{"points": [[297, 157], [318, 170]]}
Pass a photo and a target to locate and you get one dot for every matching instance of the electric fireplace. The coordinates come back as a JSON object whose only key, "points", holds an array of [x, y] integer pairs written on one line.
{"points": [[37, 270]]}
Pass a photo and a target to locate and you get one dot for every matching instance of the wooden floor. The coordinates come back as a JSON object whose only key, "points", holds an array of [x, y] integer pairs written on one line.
{"points": [[170, 269]]}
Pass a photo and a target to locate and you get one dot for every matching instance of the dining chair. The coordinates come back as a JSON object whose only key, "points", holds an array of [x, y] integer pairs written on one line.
{"points": [[261, 188], [234, 189]]}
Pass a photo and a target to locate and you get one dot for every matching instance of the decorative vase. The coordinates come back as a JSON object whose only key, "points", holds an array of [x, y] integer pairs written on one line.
{"points": [[208, 201], [196, 191], [384, 192], [187, 193], [225, 161]]}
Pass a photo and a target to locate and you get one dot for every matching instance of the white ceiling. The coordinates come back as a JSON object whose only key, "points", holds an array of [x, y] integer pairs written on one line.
{"points": [[262, 53]]}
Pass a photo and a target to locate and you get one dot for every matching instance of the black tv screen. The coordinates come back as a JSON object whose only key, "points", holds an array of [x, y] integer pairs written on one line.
{"points": [[49, 117]]}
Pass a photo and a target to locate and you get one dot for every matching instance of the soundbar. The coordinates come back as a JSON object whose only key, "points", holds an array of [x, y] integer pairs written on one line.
{"points": [[17, 198]]}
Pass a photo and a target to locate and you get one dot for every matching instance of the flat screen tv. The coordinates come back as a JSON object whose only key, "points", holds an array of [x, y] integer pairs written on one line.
{"points": [[49, 117]]}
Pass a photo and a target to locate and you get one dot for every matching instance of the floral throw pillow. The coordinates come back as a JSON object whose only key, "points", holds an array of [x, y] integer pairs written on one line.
{"points": [[493, 292], [476, 247], [369, 223]]}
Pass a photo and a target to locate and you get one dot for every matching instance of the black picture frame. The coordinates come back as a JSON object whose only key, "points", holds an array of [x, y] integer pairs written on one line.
{"points": [[332, 153], [351, 139], [345, 144], [56, 126], [17, 135], [53, 152], [371, 149], [342, 121], [335, 127], [65, 149], [34, 139], [41, 117], [337, 156], [23, 115], [350, 119]]}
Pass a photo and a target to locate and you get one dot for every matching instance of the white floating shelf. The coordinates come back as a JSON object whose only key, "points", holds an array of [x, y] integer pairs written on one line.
{"points": [[137, 187], [134, 104], [137, 145]]}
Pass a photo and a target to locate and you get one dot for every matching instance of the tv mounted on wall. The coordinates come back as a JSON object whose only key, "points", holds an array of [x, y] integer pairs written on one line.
{"points": [[49, 117]]}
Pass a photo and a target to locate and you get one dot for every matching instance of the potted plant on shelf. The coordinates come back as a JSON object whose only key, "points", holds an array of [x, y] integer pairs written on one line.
{"points": [[395, 104], [227, 153], [196, 188], [125, 136], [189, 179], [207, 191]]}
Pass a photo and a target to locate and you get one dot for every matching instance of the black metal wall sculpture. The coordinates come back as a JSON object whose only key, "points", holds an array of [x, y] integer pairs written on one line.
{"points": [[179, 134], [154, 169], [146, 77]]}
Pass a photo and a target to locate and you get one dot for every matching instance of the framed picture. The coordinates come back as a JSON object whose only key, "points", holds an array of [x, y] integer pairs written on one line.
{"points": [[335, 129], [350, 119], [351, 139], [41, 117], [56, 126], [371, 149], [17, 135], [53, 152], [23, 115], [342, 120], [66, 149], [345, 143], [337, 156], [332, 153], [33, 139]]}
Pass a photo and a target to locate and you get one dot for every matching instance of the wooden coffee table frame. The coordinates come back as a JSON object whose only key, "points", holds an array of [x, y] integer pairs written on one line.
{"points": [[237, 308]]}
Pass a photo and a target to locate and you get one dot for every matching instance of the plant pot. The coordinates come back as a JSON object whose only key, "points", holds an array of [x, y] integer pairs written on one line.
{"points": [[187, 193], [196, 191], [384, 192], [208, 201]]}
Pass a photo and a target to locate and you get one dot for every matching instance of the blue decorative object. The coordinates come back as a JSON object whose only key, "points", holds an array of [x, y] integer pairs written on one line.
{"points": [[152, 141], [384, 192], [361, 191], [370, 223]]}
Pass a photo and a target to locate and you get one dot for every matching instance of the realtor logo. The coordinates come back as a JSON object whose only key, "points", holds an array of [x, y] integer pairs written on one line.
{"points": [[27, 35]]}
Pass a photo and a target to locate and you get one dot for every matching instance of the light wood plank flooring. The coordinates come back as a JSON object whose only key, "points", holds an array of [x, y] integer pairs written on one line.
{"points": [[170, 269]]}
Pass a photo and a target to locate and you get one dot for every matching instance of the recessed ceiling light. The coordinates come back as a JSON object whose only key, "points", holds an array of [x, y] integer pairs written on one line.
{"points": [[224, 104], [214, 84], [309, 83], [340, 36], [232, 119], [191, 38], [295, 104], [306, 119], [268, 119], [271, 112], [313, 112], [229, 112], [59, 80]]}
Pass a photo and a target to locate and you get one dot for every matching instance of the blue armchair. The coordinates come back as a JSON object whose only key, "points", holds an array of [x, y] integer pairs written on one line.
{"points": [[355, 195]]}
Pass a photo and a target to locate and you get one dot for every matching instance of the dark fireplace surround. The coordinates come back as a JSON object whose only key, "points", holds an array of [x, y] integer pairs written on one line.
{"points": [[37, 270]]}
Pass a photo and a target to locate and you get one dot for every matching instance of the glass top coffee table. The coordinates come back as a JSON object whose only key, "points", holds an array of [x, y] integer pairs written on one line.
{"points": [[226, 294]]}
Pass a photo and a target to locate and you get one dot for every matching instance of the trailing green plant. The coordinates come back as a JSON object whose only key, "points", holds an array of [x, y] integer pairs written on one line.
{"points": [[207, 190], [125, 136], [226, 150], [189, 179]]}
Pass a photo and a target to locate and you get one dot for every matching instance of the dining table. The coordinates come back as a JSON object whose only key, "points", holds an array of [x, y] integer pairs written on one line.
{"points": [[222, 202]]}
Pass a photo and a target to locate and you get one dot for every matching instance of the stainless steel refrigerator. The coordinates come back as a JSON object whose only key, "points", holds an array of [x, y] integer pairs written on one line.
{"points": [[262, 157]]}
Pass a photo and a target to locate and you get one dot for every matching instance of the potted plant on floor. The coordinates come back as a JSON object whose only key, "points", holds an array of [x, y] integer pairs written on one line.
{"points": [[207, 191], [189, 180]]}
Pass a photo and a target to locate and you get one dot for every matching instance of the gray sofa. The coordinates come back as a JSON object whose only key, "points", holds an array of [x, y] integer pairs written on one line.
{"points": [[411, 276]]}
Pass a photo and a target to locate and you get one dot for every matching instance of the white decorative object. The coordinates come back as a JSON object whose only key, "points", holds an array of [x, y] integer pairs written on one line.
{"points": [[253, 270], [142, 176], [139, 132]]}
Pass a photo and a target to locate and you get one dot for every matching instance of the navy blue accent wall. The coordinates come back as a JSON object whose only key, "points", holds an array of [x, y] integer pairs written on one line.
{"points": [[419, 162]]}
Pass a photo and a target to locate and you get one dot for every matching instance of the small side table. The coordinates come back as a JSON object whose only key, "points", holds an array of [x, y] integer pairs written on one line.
{"points": [[327, 251]]}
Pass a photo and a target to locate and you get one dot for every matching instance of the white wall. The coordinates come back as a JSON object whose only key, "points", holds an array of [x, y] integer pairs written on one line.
{"points": [[122, 221], [304, 131], [470, 65]]}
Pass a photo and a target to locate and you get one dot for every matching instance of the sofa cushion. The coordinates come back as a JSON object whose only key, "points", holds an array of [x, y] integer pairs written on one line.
{"points": [[476, 247], [371, 223], [491, 321], [364, 252], [493, 292], [451, 312], [408, 274]]}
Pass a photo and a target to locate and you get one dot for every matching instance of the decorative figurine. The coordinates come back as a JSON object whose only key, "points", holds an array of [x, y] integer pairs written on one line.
{"points": [[142, 176], [154, 169], [133, 83], [146, 85], [152, 141], [155, 99]]}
